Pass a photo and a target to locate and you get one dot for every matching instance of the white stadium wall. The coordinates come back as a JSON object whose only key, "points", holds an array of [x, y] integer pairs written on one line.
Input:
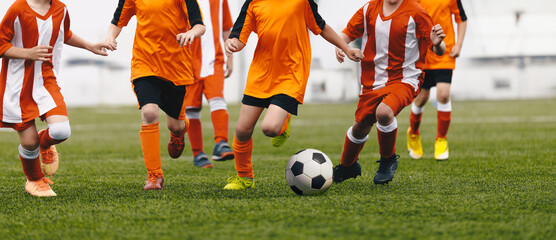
{"points": [[503, 57]]}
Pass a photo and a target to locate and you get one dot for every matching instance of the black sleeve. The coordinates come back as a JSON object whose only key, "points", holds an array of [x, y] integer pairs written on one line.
{"points": [[315, 8], [461, 11], [194, 12], [118, 12], [240, 21]]}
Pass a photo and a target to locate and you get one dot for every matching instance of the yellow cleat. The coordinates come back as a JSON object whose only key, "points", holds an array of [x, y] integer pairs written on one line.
{"points": [[40, 188], [239, 183], [441, 149], [279, 140], [414, 145]]}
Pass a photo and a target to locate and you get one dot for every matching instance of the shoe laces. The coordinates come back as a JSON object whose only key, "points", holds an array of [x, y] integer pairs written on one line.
{"points": [[44, 184], [153, 176], [177, 143], [48, 156]]}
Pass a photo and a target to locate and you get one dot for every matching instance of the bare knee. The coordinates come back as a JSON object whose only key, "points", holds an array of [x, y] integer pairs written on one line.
{"points": [[30, 143], [243, 133], [149, 114], [384, 115], [271, 130]]}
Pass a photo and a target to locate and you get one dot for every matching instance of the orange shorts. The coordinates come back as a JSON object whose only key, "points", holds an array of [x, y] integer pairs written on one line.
{"points": [[397, 96], [212, 86], [60, 110]]}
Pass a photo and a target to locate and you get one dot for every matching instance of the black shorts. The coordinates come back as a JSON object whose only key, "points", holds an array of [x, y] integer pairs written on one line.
{"points": [[169, 97], [432, 77], [281, 100]]}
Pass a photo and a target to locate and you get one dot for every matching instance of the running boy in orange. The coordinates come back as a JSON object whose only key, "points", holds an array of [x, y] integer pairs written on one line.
{"points": [[160, 69], [279, 71], [438, 72], [211, 67], [396, 35], [32, 36]]}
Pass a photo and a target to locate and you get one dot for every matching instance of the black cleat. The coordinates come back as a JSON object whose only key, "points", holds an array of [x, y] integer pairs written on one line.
{"points": [[342, 173], [386, 169]]}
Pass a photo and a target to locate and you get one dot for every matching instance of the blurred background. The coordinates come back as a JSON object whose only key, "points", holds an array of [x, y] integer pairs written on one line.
{"points": [[508, 53]]}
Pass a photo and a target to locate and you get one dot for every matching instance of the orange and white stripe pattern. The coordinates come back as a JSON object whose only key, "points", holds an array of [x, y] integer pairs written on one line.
{"points": [[28, 89], [394, 46]]}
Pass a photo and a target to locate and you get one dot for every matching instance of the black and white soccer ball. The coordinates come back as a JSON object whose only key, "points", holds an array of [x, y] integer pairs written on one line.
{"points": [[309, 172]]}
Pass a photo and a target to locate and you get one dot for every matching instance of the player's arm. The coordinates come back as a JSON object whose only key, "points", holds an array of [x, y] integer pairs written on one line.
{"points": [[187, 38], [113, 33], [456, 49], [332, 37], [437, 37], [230, 60], [340, 55], [38, 53], [96, 48]]}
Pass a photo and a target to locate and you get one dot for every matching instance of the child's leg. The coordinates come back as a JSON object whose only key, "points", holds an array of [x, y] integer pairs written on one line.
{"points": [[444, 109], [417, 110], [29, 153], [195, 131], [387, 128], [356, 137], [58, 131], [275, 121], [243, 144], [150, 137], [220, 119]]}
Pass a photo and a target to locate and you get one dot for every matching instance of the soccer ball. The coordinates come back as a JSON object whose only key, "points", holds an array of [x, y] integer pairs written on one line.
{"points": [[309, 172]]}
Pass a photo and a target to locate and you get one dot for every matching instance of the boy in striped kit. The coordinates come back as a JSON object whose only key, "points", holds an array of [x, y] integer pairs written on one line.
{"points": [[32, 36], [396, 35]]}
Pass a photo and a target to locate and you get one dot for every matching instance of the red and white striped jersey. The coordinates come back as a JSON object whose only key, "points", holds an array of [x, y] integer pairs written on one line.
{"points": [[208, 49], [394, 46], [24, 95]]}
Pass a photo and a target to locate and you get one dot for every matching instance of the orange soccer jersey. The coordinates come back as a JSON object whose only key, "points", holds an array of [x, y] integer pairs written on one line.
{"points": [[29, 89], [155, 50], [282, 59], [441, 12]]}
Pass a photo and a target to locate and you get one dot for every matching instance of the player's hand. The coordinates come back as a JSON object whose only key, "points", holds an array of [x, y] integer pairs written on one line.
{"points": [[229, 66], [231, 47], [39, 53], [110, 44], [340, 55], [355, 54], [437, 34], [456, 49], [100, 48], [185, 38]]}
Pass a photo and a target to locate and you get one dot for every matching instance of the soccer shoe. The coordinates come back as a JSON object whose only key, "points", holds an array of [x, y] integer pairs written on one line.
{"points": [[175, 146], [386, 169], [239, 183], [341, 173], [154, 181], [222, 152], [279, 140], [201, 160], [441, 149], [40, 188], [414, 145], [49, 159]]}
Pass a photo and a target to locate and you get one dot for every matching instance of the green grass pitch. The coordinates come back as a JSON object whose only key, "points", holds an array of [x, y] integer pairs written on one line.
{"points": [[500, 182]]}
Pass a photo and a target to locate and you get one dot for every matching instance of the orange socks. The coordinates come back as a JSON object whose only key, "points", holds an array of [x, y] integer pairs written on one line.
{"points": [[242, 153], [444, 119], [150, 144], [285, 126], [414, 122], [351, 152], [32, 168], [195, 135], [46, 141], [220, 122]]}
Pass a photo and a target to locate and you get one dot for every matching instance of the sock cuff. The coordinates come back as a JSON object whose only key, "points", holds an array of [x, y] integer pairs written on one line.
{"points": [[350, 136], [26, 154], [240, 146], [387, 129], [444, 107], [417, 110], [193, 113], [217, 103], [149, 127]]}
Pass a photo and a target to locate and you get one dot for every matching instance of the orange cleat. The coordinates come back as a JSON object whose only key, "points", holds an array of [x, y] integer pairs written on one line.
{"points": [[49, 159], [175, 146], [40, 188], [154, 181]]}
